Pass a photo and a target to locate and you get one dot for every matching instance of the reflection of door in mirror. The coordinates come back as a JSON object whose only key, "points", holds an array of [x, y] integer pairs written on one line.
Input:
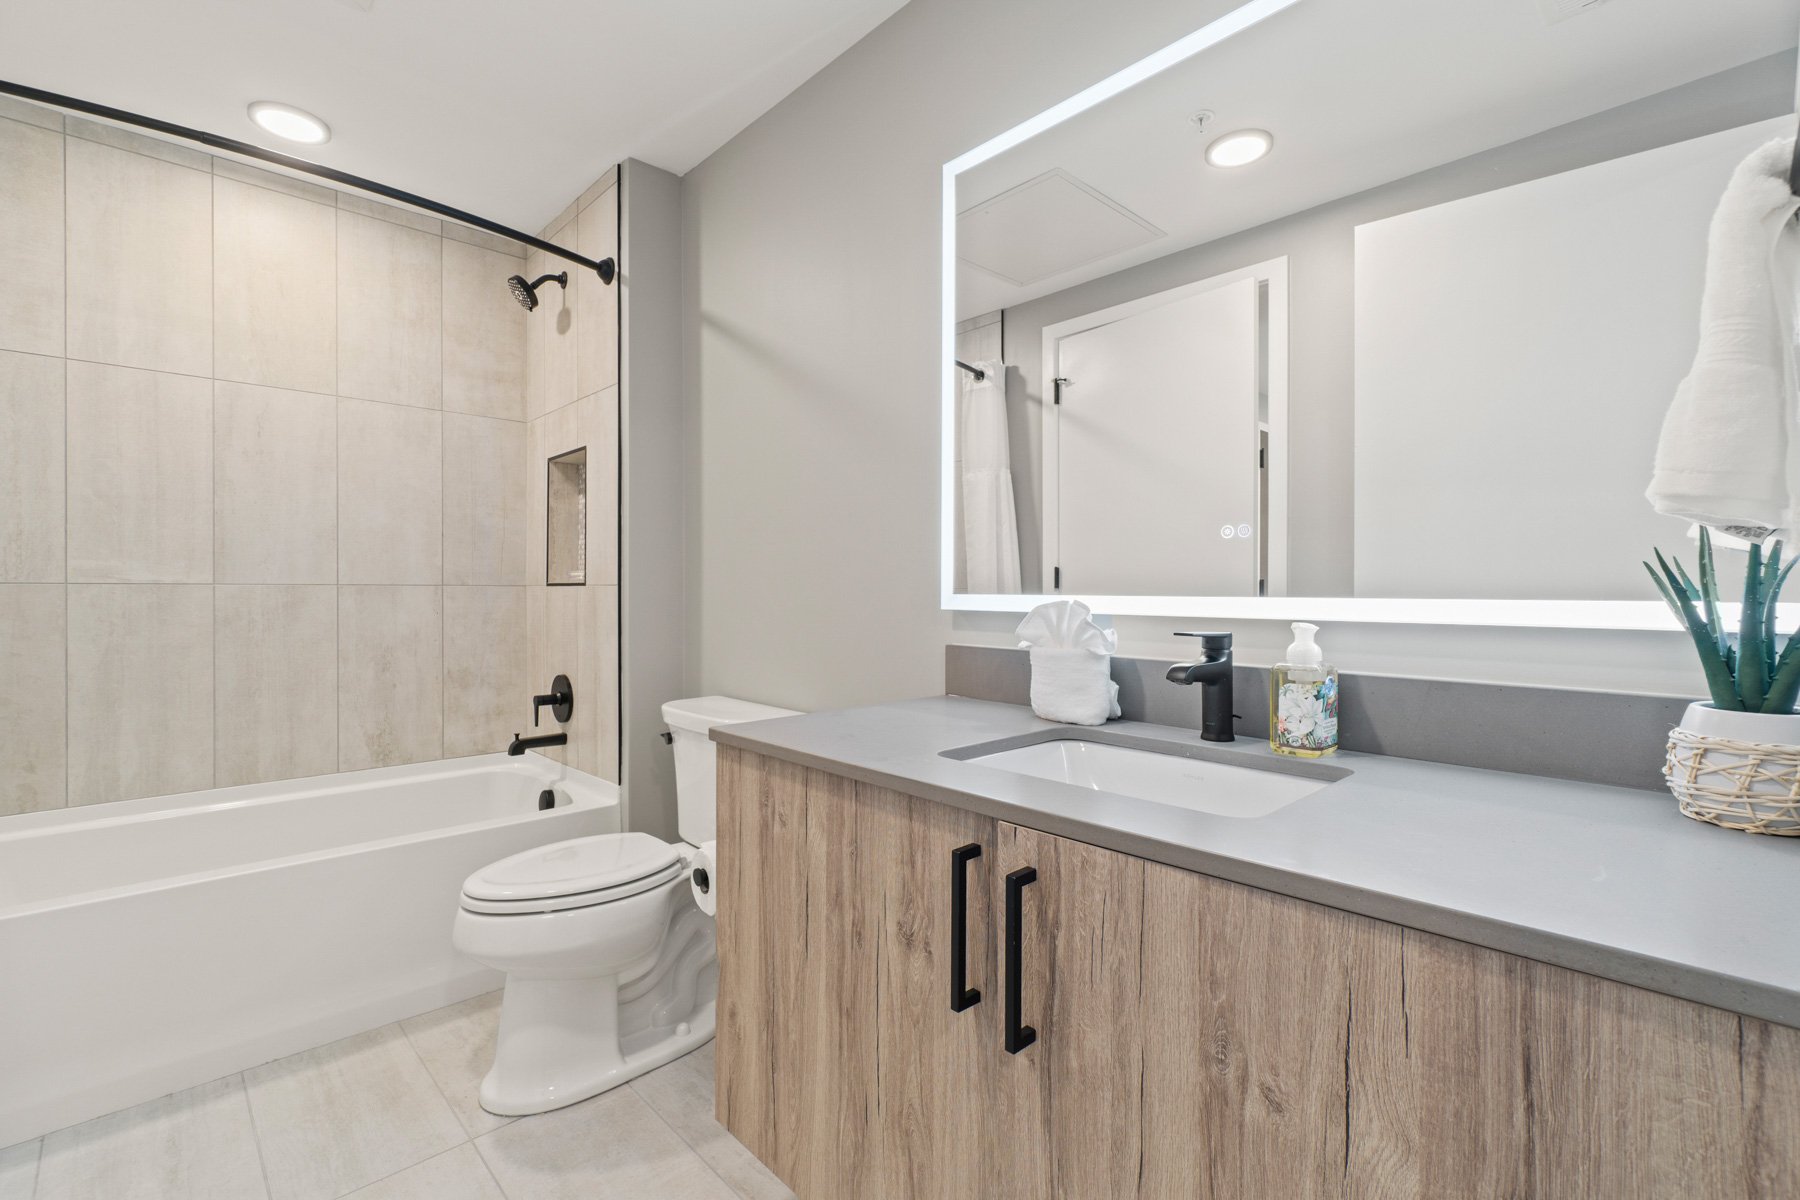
{"points": [[1154, 478]]}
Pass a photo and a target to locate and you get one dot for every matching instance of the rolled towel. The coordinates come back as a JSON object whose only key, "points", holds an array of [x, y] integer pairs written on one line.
{"points": [[1071, 664], [1727, 454]]}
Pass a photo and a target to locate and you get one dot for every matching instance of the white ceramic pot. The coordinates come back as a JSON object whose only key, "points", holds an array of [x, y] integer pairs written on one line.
{"points": [[1753, 790]]}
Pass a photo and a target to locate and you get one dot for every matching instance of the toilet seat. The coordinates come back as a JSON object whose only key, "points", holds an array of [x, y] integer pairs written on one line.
{"points": [[579, 873]]}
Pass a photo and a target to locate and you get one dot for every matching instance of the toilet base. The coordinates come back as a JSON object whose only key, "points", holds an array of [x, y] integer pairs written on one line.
{"points": [[565, 1040]]}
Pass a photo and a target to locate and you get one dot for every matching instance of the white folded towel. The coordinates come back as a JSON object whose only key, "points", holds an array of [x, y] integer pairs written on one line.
{"points": [[1729, 444], [1071, 664]]}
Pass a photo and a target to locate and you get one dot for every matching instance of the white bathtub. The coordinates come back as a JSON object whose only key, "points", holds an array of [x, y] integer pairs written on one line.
{"points": [[150, 945]]}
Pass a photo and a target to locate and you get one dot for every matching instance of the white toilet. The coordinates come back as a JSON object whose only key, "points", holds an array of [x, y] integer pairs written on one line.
{"points": [[611, 969]]}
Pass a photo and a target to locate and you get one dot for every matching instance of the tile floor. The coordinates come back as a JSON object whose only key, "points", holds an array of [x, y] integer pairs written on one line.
{"points": [[391, 1115]]}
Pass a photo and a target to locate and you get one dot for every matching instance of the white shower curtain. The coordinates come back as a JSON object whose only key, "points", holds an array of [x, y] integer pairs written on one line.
{"points": [[990, 526]]}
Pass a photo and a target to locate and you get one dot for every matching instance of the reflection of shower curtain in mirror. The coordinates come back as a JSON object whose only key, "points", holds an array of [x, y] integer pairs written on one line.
{"points": [[990, 526]]}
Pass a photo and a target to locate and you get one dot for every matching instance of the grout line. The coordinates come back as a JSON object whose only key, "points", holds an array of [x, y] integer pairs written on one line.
{"points": [[669, 1125], [255, 1134]]}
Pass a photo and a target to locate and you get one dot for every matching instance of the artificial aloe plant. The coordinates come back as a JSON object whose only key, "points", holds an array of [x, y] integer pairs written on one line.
{"points": [[1746, 673]]}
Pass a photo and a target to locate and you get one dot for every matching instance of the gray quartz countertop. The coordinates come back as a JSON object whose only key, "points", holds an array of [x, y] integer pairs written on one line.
{"points": [[1611, 881]]}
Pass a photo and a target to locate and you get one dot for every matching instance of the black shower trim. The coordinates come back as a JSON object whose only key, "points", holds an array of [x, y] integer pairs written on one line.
{"points": [[605, 267]]}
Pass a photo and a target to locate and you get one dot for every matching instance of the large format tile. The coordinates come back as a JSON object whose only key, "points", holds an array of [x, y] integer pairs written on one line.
{"points": [[682, 1094], [550, 336], [613, 1147], [31, 464], [390, 287], [545, 438], [601, 647], [275, 656], [457, 1174], [31, 238], [484, 500], [274, 485], [274, 288], [33, 697], [139, 260], [390, 493], [597, 343], [140, 690], [18, 1171], [484, 333], [487, 696], [598, 419], [390, 676], [198, 1145], [140, 476], [342, 1116], [457, 1046]]}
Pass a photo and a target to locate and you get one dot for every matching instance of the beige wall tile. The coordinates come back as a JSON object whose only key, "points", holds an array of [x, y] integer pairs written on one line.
{"points": [[484, 500], [33, 700], [275, 663], [598, 419], [169, 150], [390, 286], [15, 109], [390, 493], [227, 168], [356, 202], [140, 690], [550, 340], [31, 239], [139, 260], [274, 288], [481, 237], [31, 468], [140, 476], [274, 485], [602, 649], [597, 355], [487, 697], [545, 438], [484, 333], [390, 676]]}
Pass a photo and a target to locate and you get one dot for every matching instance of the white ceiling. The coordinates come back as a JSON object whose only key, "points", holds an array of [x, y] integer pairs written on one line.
{"points": [[1358, 93], [506, 108]]}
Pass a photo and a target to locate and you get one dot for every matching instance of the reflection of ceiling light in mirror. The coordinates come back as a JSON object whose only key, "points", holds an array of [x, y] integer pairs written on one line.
{"points": [[290, 123], [1240, 148]]}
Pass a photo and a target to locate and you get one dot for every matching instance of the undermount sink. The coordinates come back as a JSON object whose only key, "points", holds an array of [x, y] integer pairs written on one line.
{"points": [[1200, 785]]}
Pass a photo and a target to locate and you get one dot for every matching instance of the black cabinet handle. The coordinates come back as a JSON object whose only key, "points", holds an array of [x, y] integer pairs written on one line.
{"points": [[961, 995], [1018, 1034]]}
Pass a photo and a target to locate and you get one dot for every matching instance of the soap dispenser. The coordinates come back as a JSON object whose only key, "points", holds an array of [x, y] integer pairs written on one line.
{"points": [[1303, 699]]}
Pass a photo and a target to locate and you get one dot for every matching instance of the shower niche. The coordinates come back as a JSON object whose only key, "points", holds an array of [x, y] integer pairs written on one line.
{"points": [[565, 557]]}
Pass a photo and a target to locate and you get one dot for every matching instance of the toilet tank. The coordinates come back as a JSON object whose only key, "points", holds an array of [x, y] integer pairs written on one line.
{"points": [[696, 758]]}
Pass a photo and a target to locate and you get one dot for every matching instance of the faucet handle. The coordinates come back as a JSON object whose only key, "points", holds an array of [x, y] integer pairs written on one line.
{"points": [[1216, 643]]}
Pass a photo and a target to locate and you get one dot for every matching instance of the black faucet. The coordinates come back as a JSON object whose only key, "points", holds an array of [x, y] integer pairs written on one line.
{"points": [[521, 744], [1213, 674]]}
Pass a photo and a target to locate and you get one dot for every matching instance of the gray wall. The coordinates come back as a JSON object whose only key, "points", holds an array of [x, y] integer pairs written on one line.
{"points": [[811, 333], [1320, 247]]}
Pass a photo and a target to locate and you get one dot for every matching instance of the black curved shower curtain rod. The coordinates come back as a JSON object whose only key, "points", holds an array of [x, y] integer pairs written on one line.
{"points": [[606, 268]]}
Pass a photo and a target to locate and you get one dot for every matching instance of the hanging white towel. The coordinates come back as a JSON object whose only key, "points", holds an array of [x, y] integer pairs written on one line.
{"points": [[990, 524], [1727, 455]]}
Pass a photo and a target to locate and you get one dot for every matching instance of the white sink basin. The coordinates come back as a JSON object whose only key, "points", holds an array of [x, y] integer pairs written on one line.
{"points": [[1191, 783]]}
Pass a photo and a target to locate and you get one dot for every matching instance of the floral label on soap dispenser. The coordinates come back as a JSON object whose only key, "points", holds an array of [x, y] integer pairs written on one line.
{"points": [[1306, 714]]}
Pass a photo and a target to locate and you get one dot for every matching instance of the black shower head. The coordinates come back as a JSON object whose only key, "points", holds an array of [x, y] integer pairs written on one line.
{"points": [[526, 293]]}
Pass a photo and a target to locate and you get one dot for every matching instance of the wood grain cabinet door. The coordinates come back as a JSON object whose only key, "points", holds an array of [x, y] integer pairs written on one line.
{"points": [[841, 1064]]}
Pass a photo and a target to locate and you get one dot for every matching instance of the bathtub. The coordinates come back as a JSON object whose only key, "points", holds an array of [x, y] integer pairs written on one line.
{"points": [[150, 945]]}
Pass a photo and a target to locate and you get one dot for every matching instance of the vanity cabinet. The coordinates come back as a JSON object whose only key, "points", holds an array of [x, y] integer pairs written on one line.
{"points": [[1193, 1037]]}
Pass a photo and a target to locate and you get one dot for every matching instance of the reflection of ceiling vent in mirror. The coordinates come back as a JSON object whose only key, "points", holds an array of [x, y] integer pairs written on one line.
{"points": [[1046, 226], [1562, 10]]}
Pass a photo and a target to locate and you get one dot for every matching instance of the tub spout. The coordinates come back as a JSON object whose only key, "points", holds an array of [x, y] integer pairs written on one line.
{"points": [[521, 744]]}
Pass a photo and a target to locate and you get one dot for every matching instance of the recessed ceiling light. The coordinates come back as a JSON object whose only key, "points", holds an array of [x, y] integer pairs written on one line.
{"points": [[293, 124], [1240, 148]]}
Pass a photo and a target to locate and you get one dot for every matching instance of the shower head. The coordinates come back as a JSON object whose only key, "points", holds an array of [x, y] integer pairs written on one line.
{"points": [[526, 293]]}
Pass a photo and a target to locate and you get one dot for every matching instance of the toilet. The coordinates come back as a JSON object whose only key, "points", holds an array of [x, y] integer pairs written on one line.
{"points": [[611, 968]]}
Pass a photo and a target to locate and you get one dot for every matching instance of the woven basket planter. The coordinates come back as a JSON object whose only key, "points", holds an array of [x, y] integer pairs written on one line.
{"points": [[1739, 770]]}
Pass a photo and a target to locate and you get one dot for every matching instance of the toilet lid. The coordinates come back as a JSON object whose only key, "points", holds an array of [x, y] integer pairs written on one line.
{"points": [[583, 865]]}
